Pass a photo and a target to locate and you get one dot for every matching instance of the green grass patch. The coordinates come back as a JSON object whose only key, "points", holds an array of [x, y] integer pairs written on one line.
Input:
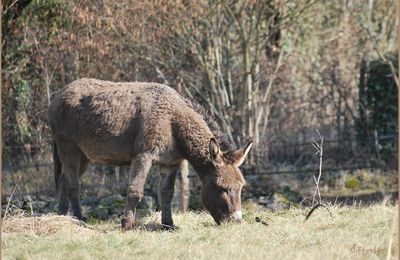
{"points": [[356, 233]]}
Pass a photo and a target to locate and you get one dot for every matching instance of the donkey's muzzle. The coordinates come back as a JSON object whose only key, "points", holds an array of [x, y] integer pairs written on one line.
{"points": [[236, 216]]}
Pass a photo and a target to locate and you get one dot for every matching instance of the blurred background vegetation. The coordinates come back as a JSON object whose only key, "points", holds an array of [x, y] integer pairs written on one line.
{"points": [[272, 71]]}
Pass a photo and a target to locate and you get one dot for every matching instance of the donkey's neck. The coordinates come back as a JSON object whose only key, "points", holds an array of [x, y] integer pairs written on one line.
{"points": [[194, 135]]}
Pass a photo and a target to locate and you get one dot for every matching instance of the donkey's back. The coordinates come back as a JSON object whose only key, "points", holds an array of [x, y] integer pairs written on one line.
{"points": [[104, 119]]}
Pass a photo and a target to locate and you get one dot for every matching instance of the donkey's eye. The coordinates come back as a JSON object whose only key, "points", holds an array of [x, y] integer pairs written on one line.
{"points": [[225, 190]]}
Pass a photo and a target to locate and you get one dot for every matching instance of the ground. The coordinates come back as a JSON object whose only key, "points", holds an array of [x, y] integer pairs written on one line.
{"points": [[353, 232]]}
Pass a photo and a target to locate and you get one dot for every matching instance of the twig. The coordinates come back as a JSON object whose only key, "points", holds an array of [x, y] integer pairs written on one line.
{"points": [[33, 217], [315, 207], [320, 152], [11, 196], [319, 146]]}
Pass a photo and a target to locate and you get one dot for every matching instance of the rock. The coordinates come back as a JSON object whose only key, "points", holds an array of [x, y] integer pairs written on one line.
{"points": [[147, 202], [90, 200], [47, 198], [291, 196], [262, 200], [278, 201], [53, 205], [140, 213], [29, 198], [272, 203], [114, 200], [114, 204], [39, 205], [100, 212]]}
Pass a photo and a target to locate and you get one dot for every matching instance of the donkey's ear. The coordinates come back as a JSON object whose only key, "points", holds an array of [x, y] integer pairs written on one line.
{"points": [[237, 157], [214, 149]]}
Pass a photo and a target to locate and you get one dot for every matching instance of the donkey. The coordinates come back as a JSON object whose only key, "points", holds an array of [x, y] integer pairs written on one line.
{"points": [[141, 124]]}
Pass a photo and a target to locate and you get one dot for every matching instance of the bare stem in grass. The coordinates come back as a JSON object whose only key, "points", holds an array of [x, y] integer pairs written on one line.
{"points": [[316, 197], [319, 146], [11, 196]]}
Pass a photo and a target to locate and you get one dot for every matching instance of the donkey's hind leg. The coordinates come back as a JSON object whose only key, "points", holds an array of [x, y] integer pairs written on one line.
{"points": [[167, 184], [63, 203], [73, 164], [74, 195]]}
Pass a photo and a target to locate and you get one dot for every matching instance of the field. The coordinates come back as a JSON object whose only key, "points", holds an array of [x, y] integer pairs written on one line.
{"points": [[353, 232]]}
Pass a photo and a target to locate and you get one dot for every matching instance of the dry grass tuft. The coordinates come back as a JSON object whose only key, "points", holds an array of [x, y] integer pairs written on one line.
{"points": [[45, 225]]}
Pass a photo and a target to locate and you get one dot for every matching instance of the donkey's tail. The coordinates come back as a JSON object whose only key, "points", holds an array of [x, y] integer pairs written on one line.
{"points": [[57, 166]]}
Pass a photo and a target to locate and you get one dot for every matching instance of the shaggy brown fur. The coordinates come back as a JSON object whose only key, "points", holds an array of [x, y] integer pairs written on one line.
{"points": [[141, 124]]}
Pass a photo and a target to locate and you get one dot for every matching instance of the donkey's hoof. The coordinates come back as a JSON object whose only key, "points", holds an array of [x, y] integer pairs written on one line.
{"points": [[127, 223], [81, 218], [169, 227]]}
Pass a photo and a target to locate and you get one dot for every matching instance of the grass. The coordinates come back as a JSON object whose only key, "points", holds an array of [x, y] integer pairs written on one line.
{"points": [[356, 233]]}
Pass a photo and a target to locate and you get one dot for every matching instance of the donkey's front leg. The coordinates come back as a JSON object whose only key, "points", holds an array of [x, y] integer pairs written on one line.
{"points": [[167, 184], [140, 166]]}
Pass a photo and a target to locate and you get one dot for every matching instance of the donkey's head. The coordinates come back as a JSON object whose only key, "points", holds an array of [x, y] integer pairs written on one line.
{"points": [[222, 185]]}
